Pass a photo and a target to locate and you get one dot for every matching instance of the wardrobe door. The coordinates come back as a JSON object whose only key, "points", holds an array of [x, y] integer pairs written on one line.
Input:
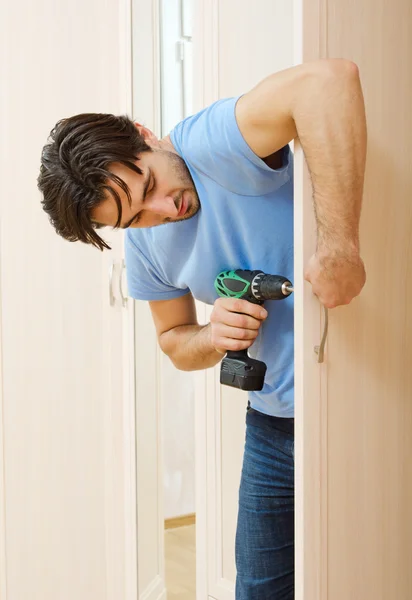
{"points": [[64, 520], [354, 418]]}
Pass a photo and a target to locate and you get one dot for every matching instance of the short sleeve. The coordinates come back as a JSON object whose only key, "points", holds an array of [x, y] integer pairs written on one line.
{"points": [[143, 279], [211, 143]]}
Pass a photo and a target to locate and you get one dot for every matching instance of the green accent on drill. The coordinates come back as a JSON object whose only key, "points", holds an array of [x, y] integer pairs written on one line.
{"points": [[224, 291]]}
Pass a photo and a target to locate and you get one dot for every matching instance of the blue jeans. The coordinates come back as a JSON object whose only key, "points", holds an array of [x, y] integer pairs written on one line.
{"points": [[265, 528]]}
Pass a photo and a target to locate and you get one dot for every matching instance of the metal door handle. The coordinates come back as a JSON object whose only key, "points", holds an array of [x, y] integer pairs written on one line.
{"points": [[320, 350], [123, 297]]}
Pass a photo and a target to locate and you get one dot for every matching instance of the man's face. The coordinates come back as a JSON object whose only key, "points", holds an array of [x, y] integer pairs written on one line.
{"points": [[165, 193]]}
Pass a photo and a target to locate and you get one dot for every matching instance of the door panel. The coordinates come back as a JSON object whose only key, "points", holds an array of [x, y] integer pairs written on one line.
{"points": [[370, 343], [361, 532]]}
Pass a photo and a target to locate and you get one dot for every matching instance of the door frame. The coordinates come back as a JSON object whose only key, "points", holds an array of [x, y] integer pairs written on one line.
{"points": [[310, 376], [146, 107]]}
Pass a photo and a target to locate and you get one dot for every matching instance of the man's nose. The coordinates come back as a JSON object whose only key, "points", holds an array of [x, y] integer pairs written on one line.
{"points": [[162, 205]]}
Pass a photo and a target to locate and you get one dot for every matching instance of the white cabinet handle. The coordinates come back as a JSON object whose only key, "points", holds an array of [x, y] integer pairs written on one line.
{"points": [[123, 297], [111, 293]]}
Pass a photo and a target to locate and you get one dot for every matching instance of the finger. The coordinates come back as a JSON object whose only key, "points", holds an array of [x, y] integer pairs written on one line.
{"points": [[238, 305], [232, 319], [328, 302], [231, 345], [235, 333]]}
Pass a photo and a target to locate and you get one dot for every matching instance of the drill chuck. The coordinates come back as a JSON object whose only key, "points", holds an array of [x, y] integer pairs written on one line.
{"points": [[270, 287]]}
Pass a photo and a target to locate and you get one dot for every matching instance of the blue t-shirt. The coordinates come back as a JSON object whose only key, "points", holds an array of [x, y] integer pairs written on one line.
{"points": [[245, 222]]}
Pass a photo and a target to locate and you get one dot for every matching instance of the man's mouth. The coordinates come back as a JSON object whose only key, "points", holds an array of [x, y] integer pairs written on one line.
{"points": [[183, 206]]}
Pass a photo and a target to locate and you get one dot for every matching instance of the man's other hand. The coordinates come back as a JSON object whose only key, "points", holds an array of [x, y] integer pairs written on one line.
{"points": [[235, 324]]}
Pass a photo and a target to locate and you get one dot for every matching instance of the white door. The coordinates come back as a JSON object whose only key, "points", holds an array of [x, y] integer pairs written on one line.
{"points": [[66, 520]]}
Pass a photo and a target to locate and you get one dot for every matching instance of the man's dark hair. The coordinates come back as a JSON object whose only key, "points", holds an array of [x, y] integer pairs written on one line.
{"points": [[74, 174]]}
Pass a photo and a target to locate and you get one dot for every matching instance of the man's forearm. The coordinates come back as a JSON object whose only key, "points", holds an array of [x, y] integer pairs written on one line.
{"points": [[332, 131], [189, 347]]}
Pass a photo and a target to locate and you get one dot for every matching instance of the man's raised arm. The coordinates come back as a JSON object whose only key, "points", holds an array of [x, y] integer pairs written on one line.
{"points": [[320, 103]]}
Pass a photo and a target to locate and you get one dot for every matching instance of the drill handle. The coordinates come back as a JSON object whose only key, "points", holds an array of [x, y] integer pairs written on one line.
{"points": [[239, 370]]}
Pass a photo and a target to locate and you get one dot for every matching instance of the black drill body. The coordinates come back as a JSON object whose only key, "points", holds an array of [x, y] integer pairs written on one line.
{"points": [[238, 369]]}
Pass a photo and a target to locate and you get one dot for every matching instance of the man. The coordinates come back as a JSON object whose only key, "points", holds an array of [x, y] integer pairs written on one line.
{"points": [[217, 193]]}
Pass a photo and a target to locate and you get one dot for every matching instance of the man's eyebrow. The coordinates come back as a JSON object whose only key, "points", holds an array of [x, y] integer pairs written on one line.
{"points": [[146, 184]]}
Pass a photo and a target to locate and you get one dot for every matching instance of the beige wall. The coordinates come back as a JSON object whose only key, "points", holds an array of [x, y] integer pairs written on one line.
{"points": [[370, 343]]}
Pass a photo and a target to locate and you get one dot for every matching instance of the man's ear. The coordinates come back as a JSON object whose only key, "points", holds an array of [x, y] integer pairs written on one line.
{"points": [[148, 135]]}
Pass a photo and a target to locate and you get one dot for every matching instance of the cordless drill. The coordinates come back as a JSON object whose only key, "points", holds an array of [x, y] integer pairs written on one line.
{"points": [[238, 369]]}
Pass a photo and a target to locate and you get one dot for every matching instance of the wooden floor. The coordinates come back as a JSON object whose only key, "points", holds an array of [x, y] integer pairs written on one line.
{"points": [[180, 559]]}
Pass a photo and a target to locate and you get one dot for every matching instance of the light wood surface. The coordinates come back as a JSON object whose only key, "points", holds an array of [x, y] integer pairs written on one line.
{"points": [[366, 482], [370, 375], [370, 346], [180, 559], [181, 521]]}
